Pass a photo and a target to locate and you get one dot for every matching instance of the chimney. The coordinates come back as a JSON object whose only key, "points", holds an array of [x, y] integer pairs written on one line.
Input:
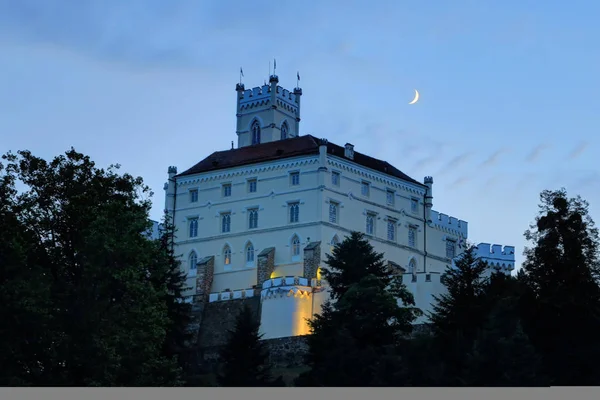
{"points": [[349, 151], [428, 181]]}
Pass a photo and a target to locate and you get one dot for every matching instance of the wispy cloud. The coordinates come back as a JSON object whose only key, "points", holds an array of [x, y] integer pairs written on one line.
{"points": [[578, 150], [455, 163], [493, 158], [536, 152], [461, 181]]}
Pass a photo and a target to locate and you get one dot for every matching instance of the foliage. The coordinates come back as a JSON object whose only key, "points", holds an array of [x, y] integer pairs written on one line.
{"points": [[561, 273], [244, 359], [80, 287], [355, 339]]}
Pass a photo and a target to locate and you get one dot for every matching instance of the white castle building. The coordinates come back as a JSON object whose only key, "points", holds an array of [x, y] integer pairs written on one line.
{"points": [[257, 220]]}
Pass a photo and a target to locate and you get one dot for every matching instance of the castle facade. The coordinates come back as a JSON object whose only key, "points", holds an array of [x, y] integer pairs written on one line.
{"points": [[258, 219]]}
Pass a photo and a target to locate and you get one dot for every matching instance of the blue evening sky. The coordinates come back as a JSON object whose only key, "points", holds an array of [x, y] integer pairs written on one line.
{"points": [[509, 89]]}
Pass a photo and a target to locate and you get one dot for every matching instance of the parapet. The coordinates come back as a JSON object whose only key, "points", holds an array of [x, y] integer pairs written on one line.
{"points": [[428, 179], [264, 93], [499, 258], [229, 295], [449, 224], [287, 286], [172, 170]]}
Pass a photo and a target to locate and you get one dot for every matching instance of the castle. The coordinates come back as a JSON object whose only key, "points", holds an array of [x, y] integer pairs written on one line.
{"points": [[255, 222]]}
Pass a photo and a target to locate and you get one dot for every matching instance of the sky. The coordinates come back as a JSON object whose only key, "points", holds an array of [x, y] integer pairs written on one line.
{"points": [[509, 89]]}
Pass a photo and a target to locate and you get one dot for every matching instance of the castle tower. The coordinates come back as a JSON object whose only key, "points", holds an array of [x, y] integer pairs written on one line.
{"points": [[267, 113]]}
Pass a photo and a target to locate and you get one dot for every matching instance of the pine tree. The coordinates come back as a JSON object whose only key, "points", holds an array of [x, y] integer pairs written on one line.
{"points": [[502, 354], [458, 314], [244, 359], [561, 271], [167, 273], [355, 339]]}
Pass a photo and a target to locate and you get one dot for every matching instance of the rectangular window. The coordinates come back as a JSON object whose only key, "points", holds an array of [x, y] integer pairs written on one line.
{"points": [[252, 185], [193, 222], [391, 229], [365, 188], [253, 218], [294, 211], [295, 178], [333, 212], [227, 190], [371, 223], [226, 222], [412, 236], [450, 248], [194, 196], [335, 178], [414, 205], [390, 197]]}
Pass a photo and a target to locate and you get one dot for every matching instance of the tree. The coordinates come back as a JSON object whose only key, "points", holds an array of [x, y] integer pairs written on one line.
{"points": [[167, 273], [502, 354], [99, 319], [355, 339], [458, 314], [561, 272], [244, 359]]}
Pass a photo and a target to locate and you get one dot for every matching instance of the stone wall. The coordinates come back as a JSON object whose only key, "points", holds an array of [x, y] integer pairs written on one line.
{"points": [[204, 277], [266, 265], [312, 259], [219, 317]]}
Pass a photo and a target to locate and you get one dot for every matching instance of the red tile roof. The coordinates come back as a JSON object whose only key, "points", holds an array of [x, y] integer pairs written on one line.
{"points": [[293, 147]]}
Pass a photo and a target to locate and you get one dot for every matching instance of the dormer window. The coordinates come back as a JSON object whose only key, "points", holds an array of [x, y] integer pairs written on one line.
{"points": [[349, 151], [255, 129]]}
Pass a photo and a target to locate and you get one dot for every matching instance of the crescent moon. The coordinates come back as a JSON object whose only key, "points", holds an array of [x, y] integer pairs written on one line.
{"points": [[416, 97]]}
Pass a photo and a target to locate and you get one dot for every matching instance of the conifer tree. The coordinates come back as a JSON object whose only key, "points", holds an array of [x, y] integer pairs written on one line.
{"points": [[561, 271], [355, 339], [245, 358], [459, 313], [502, 354]]}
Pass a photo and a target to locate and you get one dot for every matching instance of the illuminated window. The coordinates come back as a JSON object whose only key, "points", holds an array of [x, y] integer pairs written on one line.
{"points": [[227, 255]]}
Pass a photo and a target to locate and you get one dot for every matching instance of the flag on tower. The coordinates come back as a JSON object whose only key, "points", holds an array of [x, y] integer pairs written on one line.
{"points": [[274, 64], [241, 72], [298, 75]]}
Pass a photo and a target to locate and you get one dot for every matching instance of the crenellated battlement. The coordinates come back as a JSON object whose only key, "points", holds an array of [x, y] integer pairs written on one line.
{"points": [[449, 224], [501, 259], [262, 95]]}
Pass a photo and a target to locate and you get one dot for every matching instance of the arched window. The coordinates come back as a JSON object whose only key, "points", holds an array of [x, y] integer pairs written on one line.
{"points": [[227, 255], [412, 268], [295, 246], [192, 263], [255, 129], [284, 130], [249, 253], [334, 242]]}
